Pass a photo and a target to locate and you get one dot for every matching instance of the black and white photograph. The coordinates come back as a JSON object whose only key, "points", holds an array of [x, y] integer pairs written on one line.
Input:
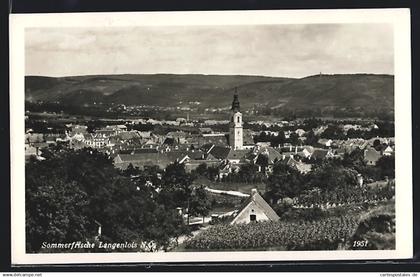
{"points": [[213, 136]]}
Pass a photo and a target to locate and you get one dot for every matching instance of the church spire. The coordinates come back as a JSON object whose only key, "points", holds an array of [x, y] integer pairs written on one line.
{"points": [[235, 102]]}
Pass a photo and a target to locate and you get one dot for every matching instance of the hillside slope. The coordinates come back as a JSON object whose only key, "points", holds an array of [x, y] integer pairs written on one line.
{"points": [[356, 91]]}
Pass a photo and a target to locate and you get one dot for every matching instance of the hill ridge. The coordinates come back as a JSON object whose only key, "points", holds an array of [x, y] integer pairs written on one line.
{"points": [[339, 91]]}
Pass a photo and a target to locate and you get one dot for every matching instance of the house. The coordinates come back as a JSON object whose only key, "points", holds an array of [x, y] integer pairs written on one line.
{"points": [[325, 142], [142, 160], [388, 151], [219, 152], [350, 145], [303, 167], [77, 144], [237, 155], [138, 151], [106, 132], [298, 165], [290, 161], [219, 139], [262, 155], [321, 154], [300, 132], [318, 131], [205, 130], [255, 209], [179, 137], [145, 134], [348, 127], [34, 150], [372, 156], [116, 129], [32, 138], [77, 129], [97, 141], [305, 153]]}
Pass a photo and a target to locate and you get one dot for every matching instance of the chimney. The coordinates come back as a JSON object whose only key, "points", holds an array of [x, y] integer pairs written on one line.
{"points": [[296, 150], [253, 191]]}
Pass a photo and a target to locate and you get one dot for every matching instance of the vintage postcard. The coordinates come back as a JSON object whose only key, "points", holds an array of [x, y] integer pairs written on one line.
{"points": [[211, 136]]}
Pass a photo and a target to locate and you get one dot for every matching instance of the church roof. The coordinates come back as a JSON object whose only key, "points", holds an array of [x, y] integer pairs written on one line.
{"points": [[235, 102]]}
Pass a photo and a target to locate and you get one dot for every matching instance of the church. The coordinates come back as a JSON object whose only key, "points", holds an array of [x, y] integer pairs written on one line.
{"points": [[236, 139]]}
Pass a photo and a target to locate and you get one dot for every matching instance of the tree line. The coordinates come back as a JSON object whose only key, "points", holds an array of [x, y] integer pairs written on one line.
{"points": [[71, 194]]}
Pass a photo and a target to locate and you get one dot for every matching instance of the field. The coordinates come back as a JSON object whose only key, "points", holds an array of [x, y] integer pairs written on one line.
{"points": [[324, 234], [330, 233]]}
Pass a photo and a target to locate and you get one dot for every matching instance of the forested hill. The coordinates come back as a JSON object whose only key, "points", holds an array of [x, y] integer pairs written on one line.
{"points": [[344, 91]]}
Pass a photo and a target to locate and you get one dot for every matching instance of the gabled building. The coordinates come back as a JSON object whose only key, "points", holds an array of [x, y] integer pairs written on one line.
{"points": [[388, 151], [322, 154], [142, 160], [255, 209], [237, 156], [298, 165], [219, 152]]}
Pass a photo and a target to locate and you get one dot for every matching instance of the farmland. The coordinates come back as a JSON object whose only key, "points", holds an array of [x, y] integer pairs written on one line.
{"points": [[333, 232], [324, 234]]}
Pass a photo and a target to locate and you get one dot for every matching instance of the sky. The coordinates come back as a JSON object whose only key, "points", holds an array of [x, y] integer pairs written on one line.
{"points": [[266, 50]]}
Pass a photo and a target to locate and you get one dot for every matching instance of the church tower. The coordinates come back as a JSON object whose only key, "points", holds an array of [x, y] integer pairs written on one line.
{"points": [[236, 140]]}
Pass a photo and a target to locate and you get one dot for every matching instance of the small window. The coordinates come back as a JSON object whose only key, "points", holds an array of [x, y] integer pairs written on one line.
{"points": [[253, 217], [239, 119]]}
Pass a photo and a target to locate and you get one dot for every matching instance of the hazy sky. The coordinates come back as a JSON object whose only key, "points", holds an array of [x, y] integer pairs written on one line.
{"points": [[271, 50]]}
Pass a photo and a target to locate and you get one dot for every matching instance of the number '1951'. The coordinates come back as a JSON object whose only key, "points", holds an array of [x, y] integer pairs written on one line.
{"points": [[360, 243]]}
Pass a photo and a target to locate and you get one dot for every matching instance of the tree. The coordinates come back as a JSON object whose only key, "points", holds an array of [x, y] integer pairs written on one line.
{"points": [[331, 175], [70, 192], [262, 161], [311, 138], [294, 139], [176, 186], [131, 170], [377, 144], [212, 173], [199, 203], [52, 211], [201, 169], [354, 159], [279, 139], [333, 132], [386, 165], [284, 182]]}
